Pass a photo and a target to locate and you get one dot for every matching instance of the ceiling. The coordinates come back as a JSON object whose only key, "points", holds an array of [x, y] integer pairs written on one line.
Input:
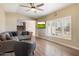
{"points": [[47, 8]]}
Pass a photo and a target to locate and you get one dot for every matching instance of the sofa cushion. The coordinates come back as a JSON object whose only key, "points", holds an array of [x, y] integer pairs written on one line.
{"points": [[15, 33], [24, 33], [27, 32], [10, 34], [8, 37], [15, 38], [4, 36]]}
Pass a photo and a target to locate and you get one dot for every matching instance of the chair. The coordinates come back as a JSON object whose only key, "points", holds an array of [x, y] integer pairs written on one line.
{"points": [[24, 49]]}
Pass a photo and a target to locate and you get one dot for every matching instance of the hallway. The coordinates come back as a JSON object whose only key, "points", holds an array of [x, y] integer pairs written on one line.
{"points": [[46, 48]]}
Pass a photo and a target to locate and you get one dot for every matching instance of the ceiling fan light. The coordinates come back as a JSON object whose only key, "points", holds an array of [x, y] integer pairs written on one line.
{"points": [[33, 9]]}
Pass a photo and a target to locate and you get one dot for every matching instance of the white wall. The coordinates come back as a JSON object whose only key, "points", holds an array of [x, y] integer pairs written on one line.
{"points": [[11, 22], [2, 20]]}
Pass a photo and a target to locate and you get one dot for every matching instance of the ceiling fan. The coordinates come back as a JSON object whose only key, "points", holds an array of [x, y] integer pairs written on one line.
{"points": [[33, 7]]}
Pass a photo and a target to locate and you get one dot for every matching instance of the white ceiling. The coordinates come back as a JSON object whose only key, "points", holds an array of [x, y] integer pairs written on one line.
{"points": [[47, 8]]}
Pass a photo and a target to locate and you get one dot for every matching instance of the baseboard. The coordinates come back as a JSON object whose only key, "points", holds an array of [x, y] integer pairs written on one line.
{"points": [[63, 44]]}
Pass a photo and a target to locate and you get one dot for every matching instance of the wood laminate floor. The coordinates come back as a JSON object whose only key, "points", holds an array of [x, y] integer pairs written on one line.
{"points": [[47, 48]]}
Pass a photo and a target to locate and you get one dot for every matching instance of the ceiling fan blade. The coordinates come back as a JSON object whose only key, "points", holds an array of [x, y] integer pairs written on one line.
{"points": [[40, 5], [25, 6], [28, 10], [32, 5]]}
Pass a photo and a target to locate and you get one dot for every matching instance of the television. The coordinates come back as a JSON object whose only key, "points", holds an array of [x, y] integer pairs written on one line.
{"points": [[41, 25]]}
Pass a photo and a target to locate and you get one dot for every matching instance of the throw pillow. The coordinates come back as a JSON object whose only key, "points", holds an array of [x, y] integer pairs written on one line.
{"points": [[8, 37], [1, 39]]}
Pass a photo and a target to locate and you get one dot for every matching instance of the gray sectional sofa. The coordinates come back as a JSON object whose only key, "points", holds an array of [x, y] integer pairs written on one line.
{"points": [[9, 41]]}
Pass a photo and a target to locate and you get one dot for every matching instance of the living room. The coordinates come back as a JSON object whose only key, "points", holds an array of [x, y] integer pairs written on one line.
{"points": [[49, 31]]}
